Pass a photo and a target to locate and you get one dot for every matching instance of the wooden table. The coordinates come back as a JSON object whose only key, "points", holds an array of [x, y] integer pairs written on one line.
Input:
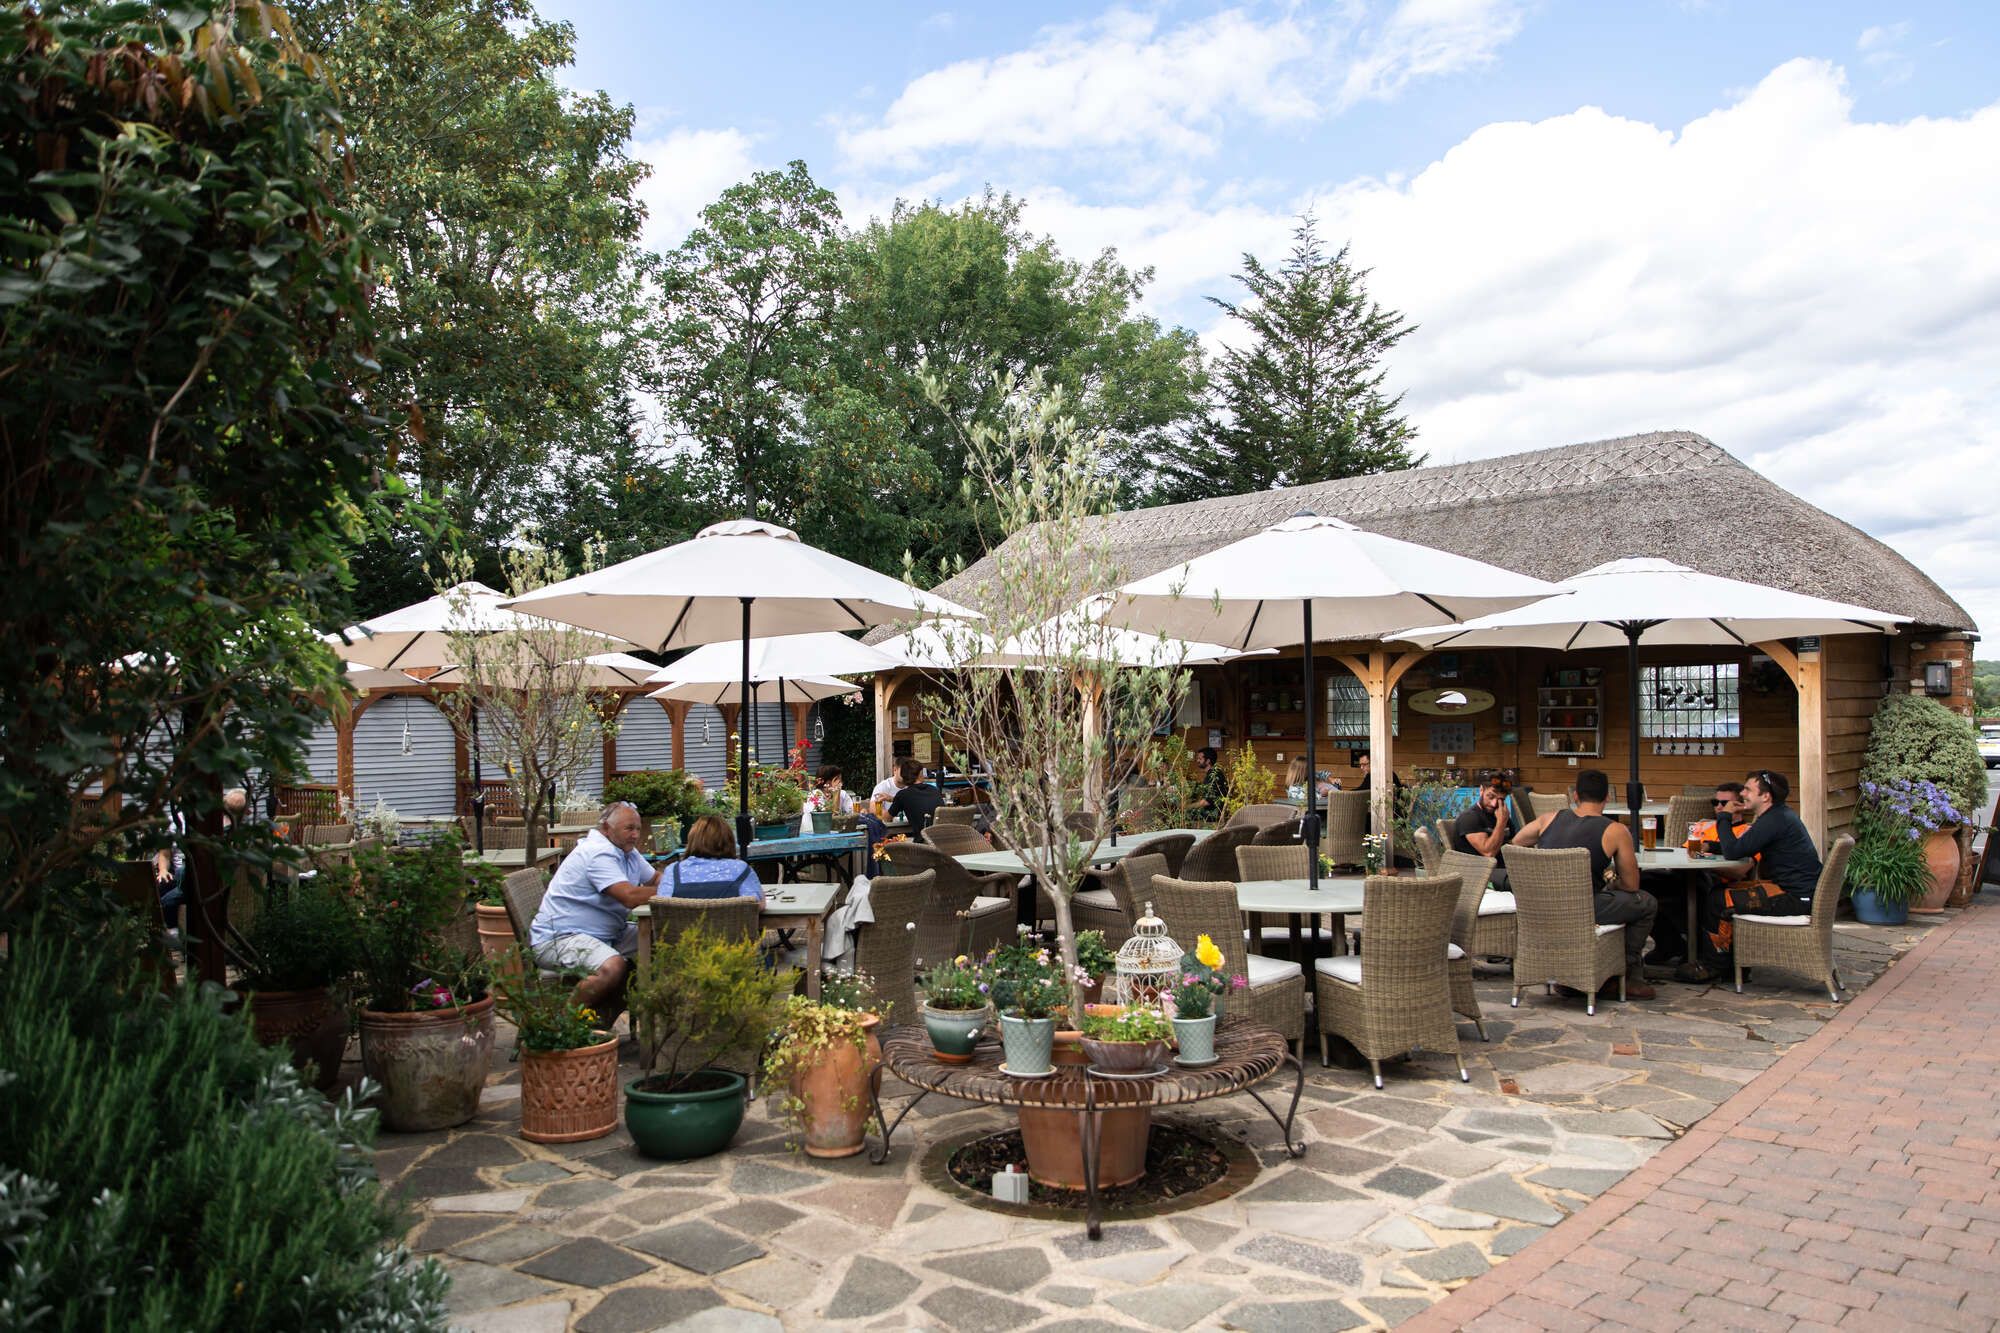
{"points": [[1676, 861], [1108, 852], [800, 906], [515, 858], [1246, 1055], [1337, 896]]}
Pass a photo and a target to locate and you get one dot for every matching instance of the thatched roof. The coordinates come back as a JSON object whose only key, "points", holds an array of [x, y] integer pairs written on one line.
{"points": [[1556, 512]]}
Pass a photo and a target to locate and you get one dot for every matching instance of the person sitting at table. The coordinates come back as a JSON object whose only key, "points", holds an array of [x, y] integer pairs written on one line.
{"points": [[1614, 870], [1670, 944], [1786, 873], [917, 801], [1295, 781], [1214, 784], [838, 799], [1367, 766], [886, 789], [584, 923], [1482, 829], [710, 868]]}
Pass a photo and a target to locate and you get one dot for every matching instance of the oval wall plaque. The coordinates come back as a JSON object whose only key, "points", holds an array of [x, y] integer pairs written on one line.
{"points": [[1445, 701]]}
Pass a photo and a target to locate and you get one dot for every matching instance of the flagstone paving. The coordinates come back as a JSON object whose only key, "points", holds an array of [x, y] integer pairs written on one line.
{"points": [[1403, 1195]]}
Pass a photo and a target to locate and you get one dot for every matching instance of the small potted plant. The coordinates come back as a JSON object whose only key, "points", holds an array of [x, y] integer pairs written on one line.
{"points": [[1096, 960], [426, 1020], [569, 1064], [817, 1073], [701, 1001], [958, 1004], [855, 992], [299, 948], [1130, 1042], [496, 932], [1028, 1028], [1196, 1000]]}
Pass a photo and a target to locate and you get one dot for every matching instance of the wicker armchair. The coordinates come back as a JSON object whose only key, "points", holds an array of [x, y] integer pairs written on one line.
{"points": [[1445, 828], [1174, 846], [1214, 857], [1346, 823], [1557, 940], [1683, 810], [1473, 872], [956, 839], [1427, 849], [1545, 803], [522, 891], [497, 837], [1802, 944], [886, 949], [1113, 904], [958, 816], [729, 918], [315, 835], [1290, 862], [967, 913], [1262, 816], [1397, 996], [1285, 833], [1277, 992]]}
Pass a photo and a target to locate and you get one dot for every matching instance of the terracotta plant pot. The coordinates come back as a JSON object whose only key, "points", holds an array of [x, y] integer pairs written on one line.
{"points": [[496, 932], [834, 1090], [569, 1096], [431, 1064], [1053, 1139], [310, 1023], [1941, 854]]}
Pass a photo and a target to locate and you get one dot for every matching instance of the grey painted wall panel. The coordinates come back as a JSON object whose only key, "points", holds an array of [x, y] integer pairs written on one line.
{"points": [[416, 784]]}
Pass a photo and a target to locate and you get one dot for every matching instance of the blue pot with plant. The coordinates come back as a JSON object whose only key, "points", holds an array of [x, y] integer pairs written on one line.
{"points": [[1887, 871], [958, 1004]]}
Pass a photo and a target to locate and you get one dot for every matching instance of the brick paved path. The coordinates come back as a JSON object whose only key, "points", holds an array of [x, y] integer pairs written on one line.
{"points": [[1851, 1185]]}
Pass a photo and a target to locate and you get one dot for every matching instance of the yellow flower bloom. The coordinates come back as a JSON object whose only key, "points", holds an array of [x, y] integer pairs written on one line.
{"points": [[1206, 953]]}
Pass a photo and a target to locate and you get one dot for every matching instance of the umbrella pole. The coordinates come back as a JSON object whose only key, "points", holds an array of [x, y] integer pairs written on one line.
{"points": [[1632, 787], [743, 829], [478, 790], [1309, 823], [784, 729]]}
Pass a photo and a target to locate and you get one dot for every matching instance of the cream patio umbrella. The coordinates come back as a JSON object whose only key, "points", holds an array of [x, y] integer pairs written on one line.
{"points": [[774, 661], [723, 584], [1355, 584], [1634, 601], [419, 635], [600, 671]]}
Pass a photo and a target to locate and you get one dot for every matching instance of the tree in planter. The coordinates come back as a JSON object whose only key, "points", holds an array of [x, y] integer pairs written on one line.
{"points": [[698, 1001], [1045, 726], [524, 700]]}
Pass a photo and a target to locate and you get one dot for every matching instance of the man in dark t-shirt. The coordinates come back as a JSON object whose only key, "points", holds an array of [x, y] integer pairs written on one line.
{"points": [[1787, 871], [917, 799], [1482, 829]]}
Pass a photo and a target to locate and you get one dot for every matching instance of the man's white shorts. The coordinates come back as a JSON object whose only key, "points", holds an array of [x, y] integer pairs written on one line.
{"points": [[585, 953]]}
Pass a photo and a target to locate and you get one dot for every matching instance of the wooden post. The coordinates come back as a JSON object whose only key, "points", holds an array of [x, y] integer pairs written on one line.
{"points": [[801, 716], [1809, 789], [1092, 688], [677, 718], [885, 690], [343, 749], [1379, 674]]}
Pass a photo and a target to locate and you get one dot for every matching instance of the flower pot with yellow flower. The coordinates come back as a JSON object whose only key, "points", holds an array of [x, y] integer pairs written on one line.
{"points": [[569, 1063]]}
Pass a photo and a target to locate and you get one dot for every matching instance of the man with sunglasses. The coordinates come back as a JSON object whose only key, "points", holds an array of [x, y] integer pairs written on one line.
{"points": [[1786, 874], [1670, 945]]}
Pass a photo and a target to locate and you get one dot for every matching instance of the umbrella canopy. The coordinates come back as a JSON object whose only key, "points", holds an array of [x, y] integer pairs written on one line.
{"points": [[1077, 629], [1356, 584], [724, 583], [374, 678], [925, 648], [419, 635], [600, 671], [801, 689], [777, 657], [694, 592], [1626, 603]]}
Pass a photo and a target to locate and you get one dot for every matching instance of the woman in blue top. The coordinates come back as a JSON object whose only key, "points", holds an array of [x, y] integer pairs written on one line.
{"points": [[711, 868]]}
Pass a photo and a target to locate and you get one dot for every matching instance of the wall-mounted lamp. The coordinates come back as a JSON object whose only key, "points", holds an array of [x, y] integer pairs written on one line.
{"points": [[1937, 679]]}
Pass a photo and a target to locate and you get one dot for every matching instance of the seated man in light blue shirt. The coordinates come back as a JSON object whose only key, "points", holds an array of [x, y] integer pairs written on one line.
{"points": [[583, 923]]}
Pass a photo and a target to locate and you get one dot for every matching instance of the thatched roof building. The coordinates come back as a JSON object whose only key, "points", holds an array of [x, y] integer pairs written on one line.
{"points": [[1556, 512]]}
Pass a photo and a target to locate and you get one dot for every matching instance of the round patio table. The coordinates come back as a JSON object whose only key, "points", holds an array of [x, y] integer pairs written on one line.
{"points": [[1245, 1054]]}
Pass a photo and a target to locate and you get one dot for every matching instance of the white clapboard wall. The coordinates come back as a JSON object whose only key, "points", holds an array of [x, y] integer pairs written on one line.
{"points": [[417, 783]]}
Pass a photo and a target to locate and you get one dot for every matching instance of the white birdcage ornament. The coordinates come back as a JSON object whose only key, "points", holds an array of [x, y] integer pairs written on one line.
{"points": [[1148, 963]]}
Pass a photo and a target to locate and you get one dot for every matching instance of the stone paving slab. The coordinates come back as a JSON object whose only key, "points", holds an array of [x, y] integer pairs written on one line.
{"points": [[1405, 1193]]}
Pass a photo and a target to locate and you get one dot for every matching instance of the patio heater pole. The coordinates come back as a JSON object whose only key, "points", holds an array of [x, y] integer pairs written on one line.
{"points": [[743, 829], [1309, 823]]}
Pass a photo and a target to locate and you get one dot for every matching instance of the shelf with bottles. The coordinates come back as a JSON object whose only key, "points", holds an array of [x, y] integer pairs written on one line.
{"points": [[1569, 720]]}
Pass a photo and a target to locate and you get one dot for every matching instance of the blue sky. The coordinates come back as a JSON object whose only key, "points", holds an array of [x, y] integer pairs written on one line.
{"points": [[1770, 223]]}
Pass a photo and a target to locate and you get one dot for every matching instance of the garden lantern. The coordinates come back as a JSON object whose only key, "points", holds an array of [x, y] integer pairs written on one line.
{"points": [[1148, 964]]}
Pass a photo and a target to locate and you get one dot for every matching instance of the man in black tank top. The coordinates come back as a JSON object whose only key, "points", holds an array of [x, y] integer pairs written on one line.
{"points": [[1614, 870]]}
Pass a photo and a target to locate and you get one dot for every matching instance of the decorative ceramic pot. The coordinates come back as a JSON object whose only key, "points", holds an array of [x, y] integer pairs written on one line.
{"points": [[822, 821], [832, 1089], [310, 1023], [1196, 1038], [1941, 855], [496, 932], [570, 1096], [1871, 908], [696, 1121], [954, 1032], [1028, 1042], [431, 1064], [762, 831], [1125, 1057]]}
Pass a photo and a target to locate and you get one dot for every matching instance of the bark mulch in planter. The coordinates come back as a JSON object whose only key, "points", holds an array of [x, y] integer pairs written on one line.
{"points": [[1184, 1169]]}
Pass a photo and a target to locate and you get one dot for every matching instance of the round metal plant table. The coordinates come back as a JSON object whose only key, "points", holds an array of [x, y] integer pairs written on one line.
{"points": [[1245, 1055]]}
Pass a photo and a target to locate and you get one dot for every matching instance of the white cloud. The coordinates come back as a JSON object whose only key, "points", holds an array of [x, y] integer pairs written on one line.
{"points": [[1817, 294], [1881, 49], [1423, 38], [691, 168]]}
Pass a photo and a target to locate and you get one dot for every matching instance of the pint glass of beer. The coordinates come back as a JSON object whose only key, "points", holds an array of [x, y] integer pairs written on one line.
{"points": [[1649, 832]]}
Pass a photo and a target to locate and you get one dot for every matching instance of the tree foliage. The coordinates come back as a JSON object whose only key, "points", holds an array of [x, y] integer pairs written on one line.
{"points": [[183, 341], [1301, 399]]}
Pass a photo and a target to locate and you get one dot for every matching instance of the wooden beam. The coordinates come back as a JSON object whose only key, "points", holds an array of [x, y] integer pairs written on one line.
{"points": [[677, 719], [1379, 674], [801, 717], [885, 690], [1807, 674]]}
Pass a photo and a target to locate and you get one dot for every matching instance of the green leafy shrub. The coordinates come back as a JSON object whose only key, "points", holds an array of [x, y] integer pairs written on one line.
{"points": [[958, 984], [1920, 740], [1248, 782], [544, 1011], [407, 900], [303, 936], [159, 1170], [701, 1000], [1093, 955], [659, 793]]}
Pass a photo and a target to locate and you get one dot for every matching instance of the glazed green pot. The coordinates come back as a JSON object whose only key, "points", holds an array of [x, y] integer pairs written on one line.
{"points": [[954, 1032], [675, 1126]]}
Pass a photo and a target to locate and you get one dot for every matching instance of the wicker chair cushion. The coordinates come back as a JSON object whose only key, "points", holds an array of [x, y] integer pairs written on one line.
{"points": [[1347, 967], [1102, 899], [1264, 971], [1777, 920], [1606, 930], [1497, 902], [988, 904]]}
